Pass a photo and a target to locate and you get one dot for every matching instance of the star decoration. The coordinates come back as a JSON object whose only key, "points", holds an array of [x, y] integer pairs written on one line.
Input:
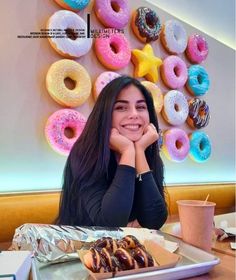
{"points": [[146, 63]]}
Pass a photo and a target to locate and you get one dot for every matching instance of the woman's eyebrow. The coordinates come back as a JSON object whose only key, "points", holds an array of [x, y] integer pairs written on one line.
{"points": [[126, 101]]}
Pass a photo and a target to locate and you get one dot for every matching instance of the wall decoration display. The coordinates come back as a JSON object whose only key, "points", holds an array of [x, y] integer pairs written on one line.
{"points": [[63, 25], [74, 5], [174, 72], [175, 110], [113, 49], [146, 24], [114, 14], [197, 48], [55, 128], [200, 146], [81, 86], [102, 80], [198, 80], [199, 113], [146, 63], [176, 144], [174, 37], [34, 92]]}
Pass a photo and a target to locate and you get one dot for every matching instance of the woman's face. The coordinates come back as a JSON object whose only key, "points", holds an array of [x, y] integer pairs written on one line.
{"points": [[130, 114]]}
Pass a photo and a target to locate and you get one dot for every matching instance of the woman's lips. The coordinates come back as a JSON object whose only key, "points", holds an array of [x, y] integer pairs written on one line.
{"points": [[132, 127]]}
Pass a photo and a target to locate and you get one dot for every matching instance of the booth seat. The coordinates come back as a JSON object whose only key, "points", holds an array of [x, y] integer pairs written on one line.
{"points": [[18, 209]]}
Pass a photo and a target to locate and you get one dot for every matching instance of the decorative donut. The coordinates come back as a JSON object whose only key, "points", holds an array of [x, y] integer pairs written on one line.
{"points": [[73, 5], [200, 146], [174, 72], [146, 63], [146, 24], [57, 74], [113, 52], [69, 44], [175, 110], [102, 80], [198, 81], [197, 48], [114, 14], [56, 126], [176, 144], [174, 37], [156, 95], [199, 113]]}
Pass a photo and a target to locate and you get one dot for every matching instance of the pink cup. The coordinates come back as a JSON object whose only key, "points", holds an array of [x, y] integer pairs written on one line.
{"points": [[196, 221]]}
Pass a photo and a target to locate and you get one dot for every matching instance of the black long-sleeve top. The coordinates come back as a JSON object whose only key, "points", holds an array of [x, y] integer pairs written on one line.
{"points": [[121, 199]]}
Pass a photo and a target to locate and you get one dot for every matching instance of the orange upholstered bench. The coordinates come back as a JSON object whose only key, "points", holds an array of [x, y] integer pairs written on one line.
{"points": [[17, 209]]}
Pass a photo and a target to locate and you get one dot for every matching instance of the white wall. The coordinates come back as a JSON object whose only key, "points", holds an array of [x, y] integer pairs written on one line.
{"points": [[214, 17], [26, 160]]}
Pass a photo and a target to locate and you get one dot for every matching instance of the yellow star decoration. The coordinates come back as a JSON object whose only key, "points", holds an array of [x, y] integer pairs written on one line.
{"points": [[146, 63]]}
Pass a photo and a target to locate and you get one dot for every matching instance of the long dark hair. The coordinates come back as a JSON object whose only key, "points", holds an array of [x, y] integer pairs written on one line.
{"points": [[89, 158]]}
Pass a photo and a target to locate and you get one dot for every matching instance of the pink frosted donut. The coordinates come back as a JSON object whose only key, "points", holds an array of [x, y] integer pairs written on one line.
{"points": [[112, 13], [102, 80], [58, 123], [197, 48], [113, 50], [174, 72], [176, 144]]}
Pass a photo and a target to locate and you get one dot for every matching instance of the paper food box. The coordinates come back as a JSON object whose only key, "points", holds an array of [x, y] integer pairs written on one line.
{"points": [[162, 259], [15, 265]]}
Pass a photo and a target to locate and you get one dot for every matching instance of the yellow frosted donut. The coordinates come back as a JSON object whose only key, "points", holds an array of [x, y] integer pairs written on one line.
{"points": [[156, 95], [57, 74]]}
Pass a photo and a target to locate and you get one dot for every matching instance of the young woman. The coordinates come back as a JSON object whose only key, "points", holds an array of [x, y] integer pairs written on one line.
{"points": [[114, 173]]}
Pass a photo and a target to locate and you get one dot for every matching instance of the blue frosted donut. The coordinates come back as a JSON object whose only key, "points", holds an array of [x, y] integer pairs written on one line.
{"points": [[74, 5], [198, 80], [200, 146]]}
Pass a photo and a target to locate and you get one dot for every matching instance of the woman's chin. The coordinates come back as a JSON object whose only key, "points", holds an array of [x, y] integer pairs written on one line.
{"points": [[134, 137]]}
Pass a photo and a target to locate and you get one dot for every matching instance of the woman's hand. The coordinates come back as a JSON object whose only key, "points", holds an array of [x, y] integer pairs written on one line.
{"points": [[150, 136], [120, 143]]}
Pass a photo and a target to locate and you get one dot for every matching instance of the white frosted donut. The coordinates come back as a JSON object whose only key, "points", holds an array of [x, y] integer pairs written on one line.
{"points": [[156, 95], [69, 43], [113, 50], [174, 37], [102, 80], [58, 72], [175, 110], [55, 128]]}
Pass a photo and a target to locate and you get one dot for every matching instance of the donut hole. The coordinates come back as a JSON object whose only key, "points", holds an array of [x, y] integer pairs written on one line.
{"points": [[69, 83], [176, 106], [201, 113], [200, 47], [178, 144], [199, 79], [114, 47], [201, 146], [71, 34], [176, 71], [115, 6], [150, 20], [69, 132]]}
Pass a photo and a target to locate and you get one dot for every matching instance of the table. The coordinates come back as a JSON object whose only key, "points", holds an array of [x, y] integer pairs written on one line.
{"points": [[226, 268]]}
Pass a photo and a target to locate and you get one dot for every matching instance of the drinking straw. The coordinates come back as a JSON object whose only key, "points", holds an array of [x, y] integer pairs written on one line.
{"points": [[204, 203]]}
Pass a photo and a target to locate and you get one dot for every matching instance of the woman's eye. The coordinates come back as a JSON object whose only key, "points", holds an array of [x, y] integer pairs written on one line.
{"points": [[120, 108], [142, 107]]}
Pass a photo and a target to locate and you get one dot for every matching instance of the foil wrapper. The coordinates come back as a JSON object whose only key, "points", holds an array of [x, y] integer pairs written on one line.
{"points": [[54, 243]]}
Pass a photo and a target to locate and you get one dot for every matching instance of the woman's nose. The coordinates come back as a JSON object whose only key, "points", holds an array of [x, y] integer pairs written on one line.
{"points": [[133, 113]]}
